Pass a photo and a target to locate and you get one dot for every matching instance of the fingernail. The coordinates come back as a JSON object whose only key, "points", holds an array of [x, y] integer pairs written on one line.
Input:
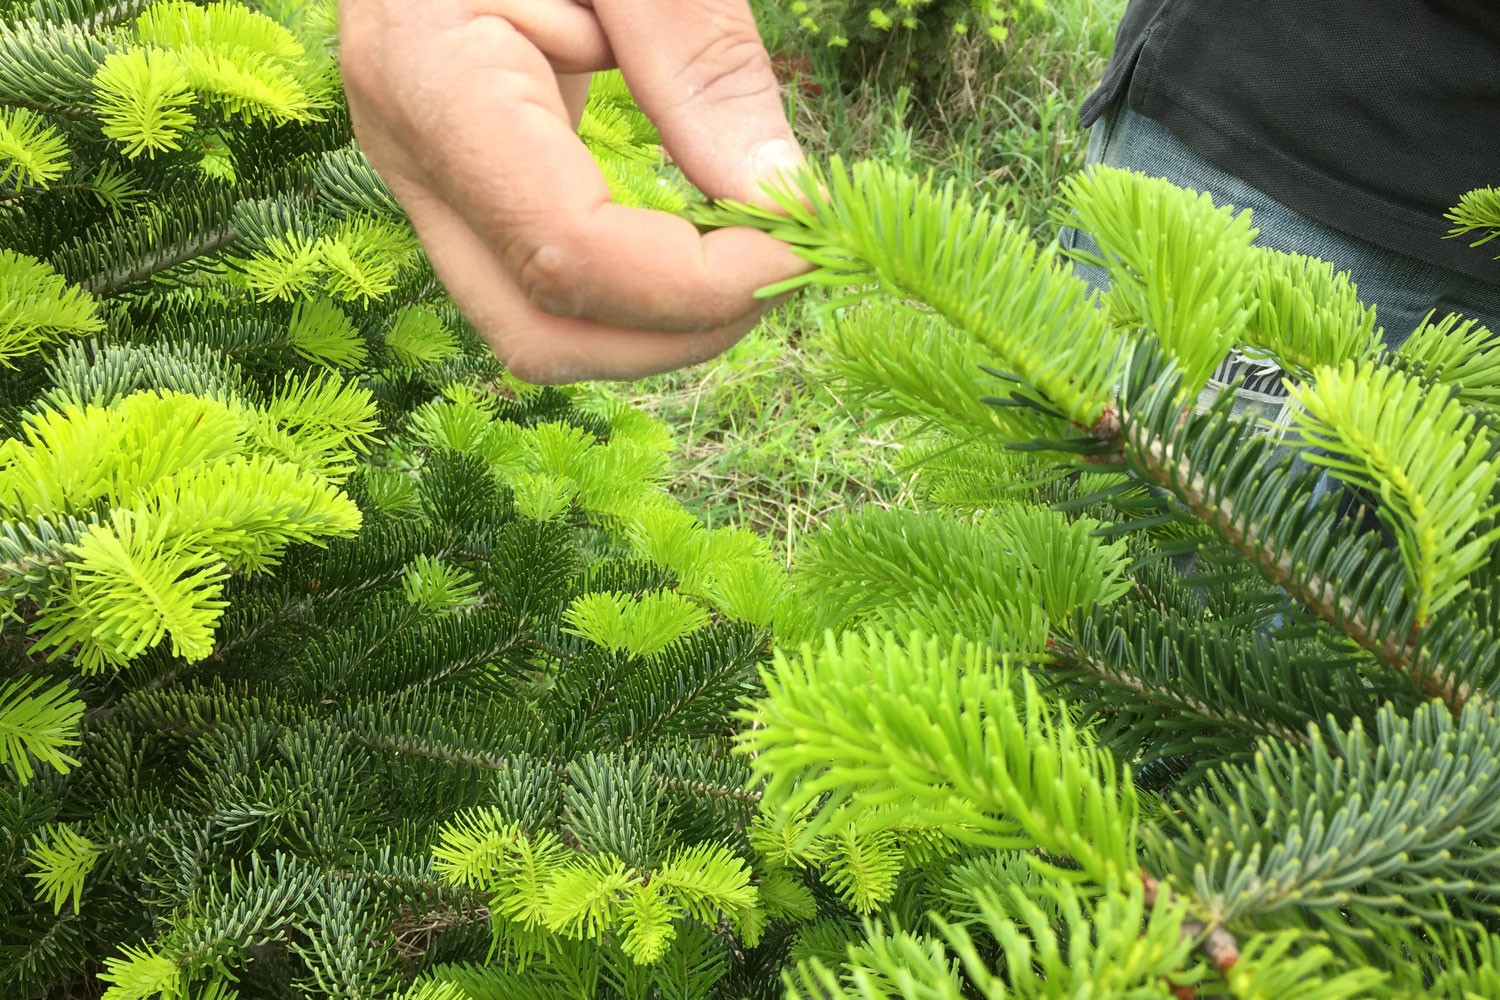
{"points": [[773, 158]]}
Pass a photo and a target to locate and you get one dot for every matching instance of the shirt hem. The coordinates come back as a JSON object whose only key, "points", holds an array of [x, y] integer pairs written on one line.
{"points": [[1301, 187]]}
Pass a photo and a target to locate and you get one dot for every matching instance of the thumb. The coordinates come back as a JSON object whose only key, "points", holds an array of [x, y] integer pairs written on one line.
{"points": [[700, 71]]}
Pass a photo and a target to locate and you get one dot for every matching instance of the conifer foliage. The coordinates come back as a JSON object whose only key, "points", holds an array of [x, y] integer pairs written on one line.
{"points": [[1242, 743], [299, 588], [338, 663]]}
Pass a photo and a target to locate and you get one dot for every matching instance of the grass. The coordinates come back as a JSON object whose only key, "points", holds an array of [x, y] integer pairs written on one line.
{"points": [[767, 444], [764, 440]]}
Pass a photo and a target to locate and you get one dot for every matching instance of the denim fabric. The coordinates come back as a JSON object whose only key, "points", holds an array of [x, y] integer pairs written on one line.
{"points": [[1401, 289]]}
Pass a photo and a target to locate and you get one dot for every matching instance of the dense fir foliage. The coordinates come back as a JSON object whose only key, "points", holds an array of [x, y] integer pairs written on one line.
{"points": [[337, 663], [1245, 742], [293, 573]]}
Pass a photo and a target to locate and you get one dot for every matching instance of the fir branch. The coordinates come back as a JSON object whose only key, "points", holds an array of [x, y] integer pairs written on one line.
{"points": [[415, 931], [1071, 656], [90, 15], [1358, 830], [38, 722], [49, 68], [1172, 468], [955, 739], [63, 110], [34, 553], [116, 13], [108, 282], [17, 196], [1460, 354], [1477, 212], [871, 225], [1213, 939], [678, 692], [414, 746], [1422, 454], [44, 959], [746, 796]]}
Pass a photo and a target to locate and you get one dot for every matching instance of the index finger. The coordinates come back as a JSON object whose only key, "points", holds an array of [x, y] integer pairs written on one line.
{"points": [[502, 153], [702, 75]]}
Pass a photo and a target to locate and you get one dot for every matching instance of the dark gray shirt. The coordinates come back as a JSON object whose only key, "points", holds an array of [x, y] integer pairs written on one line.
{"points": [[1371, 116]]}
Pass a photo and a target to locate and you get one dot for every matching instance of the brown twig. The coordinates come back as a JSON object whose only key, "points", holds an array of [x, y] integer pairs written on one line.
{"points": [[1215, 941]]}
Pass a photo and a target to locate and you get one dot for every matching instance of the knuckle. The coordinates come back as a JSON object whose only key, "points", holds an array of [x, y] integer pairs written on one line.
{"points": [[525, 368], [550, 277], [536, 364]]}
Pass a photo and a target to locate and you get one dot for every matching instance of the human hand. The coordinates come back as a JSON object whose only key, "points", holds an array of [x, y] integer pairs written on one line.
{"points": [[468, 109]]}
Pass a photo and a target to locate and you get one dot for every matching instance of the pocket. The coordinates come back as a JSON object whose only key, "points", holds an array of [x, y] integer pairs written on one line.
{"points": [[1102, 134], [1067, 238], [1130, 40]]}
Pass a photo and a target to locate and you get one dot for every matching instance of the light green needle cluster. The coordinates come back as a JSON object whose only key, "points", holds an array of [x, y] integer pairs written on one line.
{"points": [[1460, 354], [38, 307], [233, 59], [1058, 943], [539, 885], [955, 739], [1308, 316], [418, 336], [356, 260], [627, 148], [32, 150], [554, 469], [323, 333], [1477, 212], [62, 861], [218, 490], [1176, 262], [1421, 452], [1005, 580], [640, 626]]}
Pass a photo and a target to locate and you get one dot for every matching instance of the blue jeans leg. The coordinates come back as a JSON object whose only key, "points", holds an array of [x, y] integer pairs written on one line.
{"points": [[1403, 290]]}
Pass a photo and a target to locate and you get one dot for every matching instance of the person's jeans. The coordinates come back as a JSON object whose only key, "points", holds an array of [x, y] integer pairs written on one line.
{"points": [[1401, 289]]}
